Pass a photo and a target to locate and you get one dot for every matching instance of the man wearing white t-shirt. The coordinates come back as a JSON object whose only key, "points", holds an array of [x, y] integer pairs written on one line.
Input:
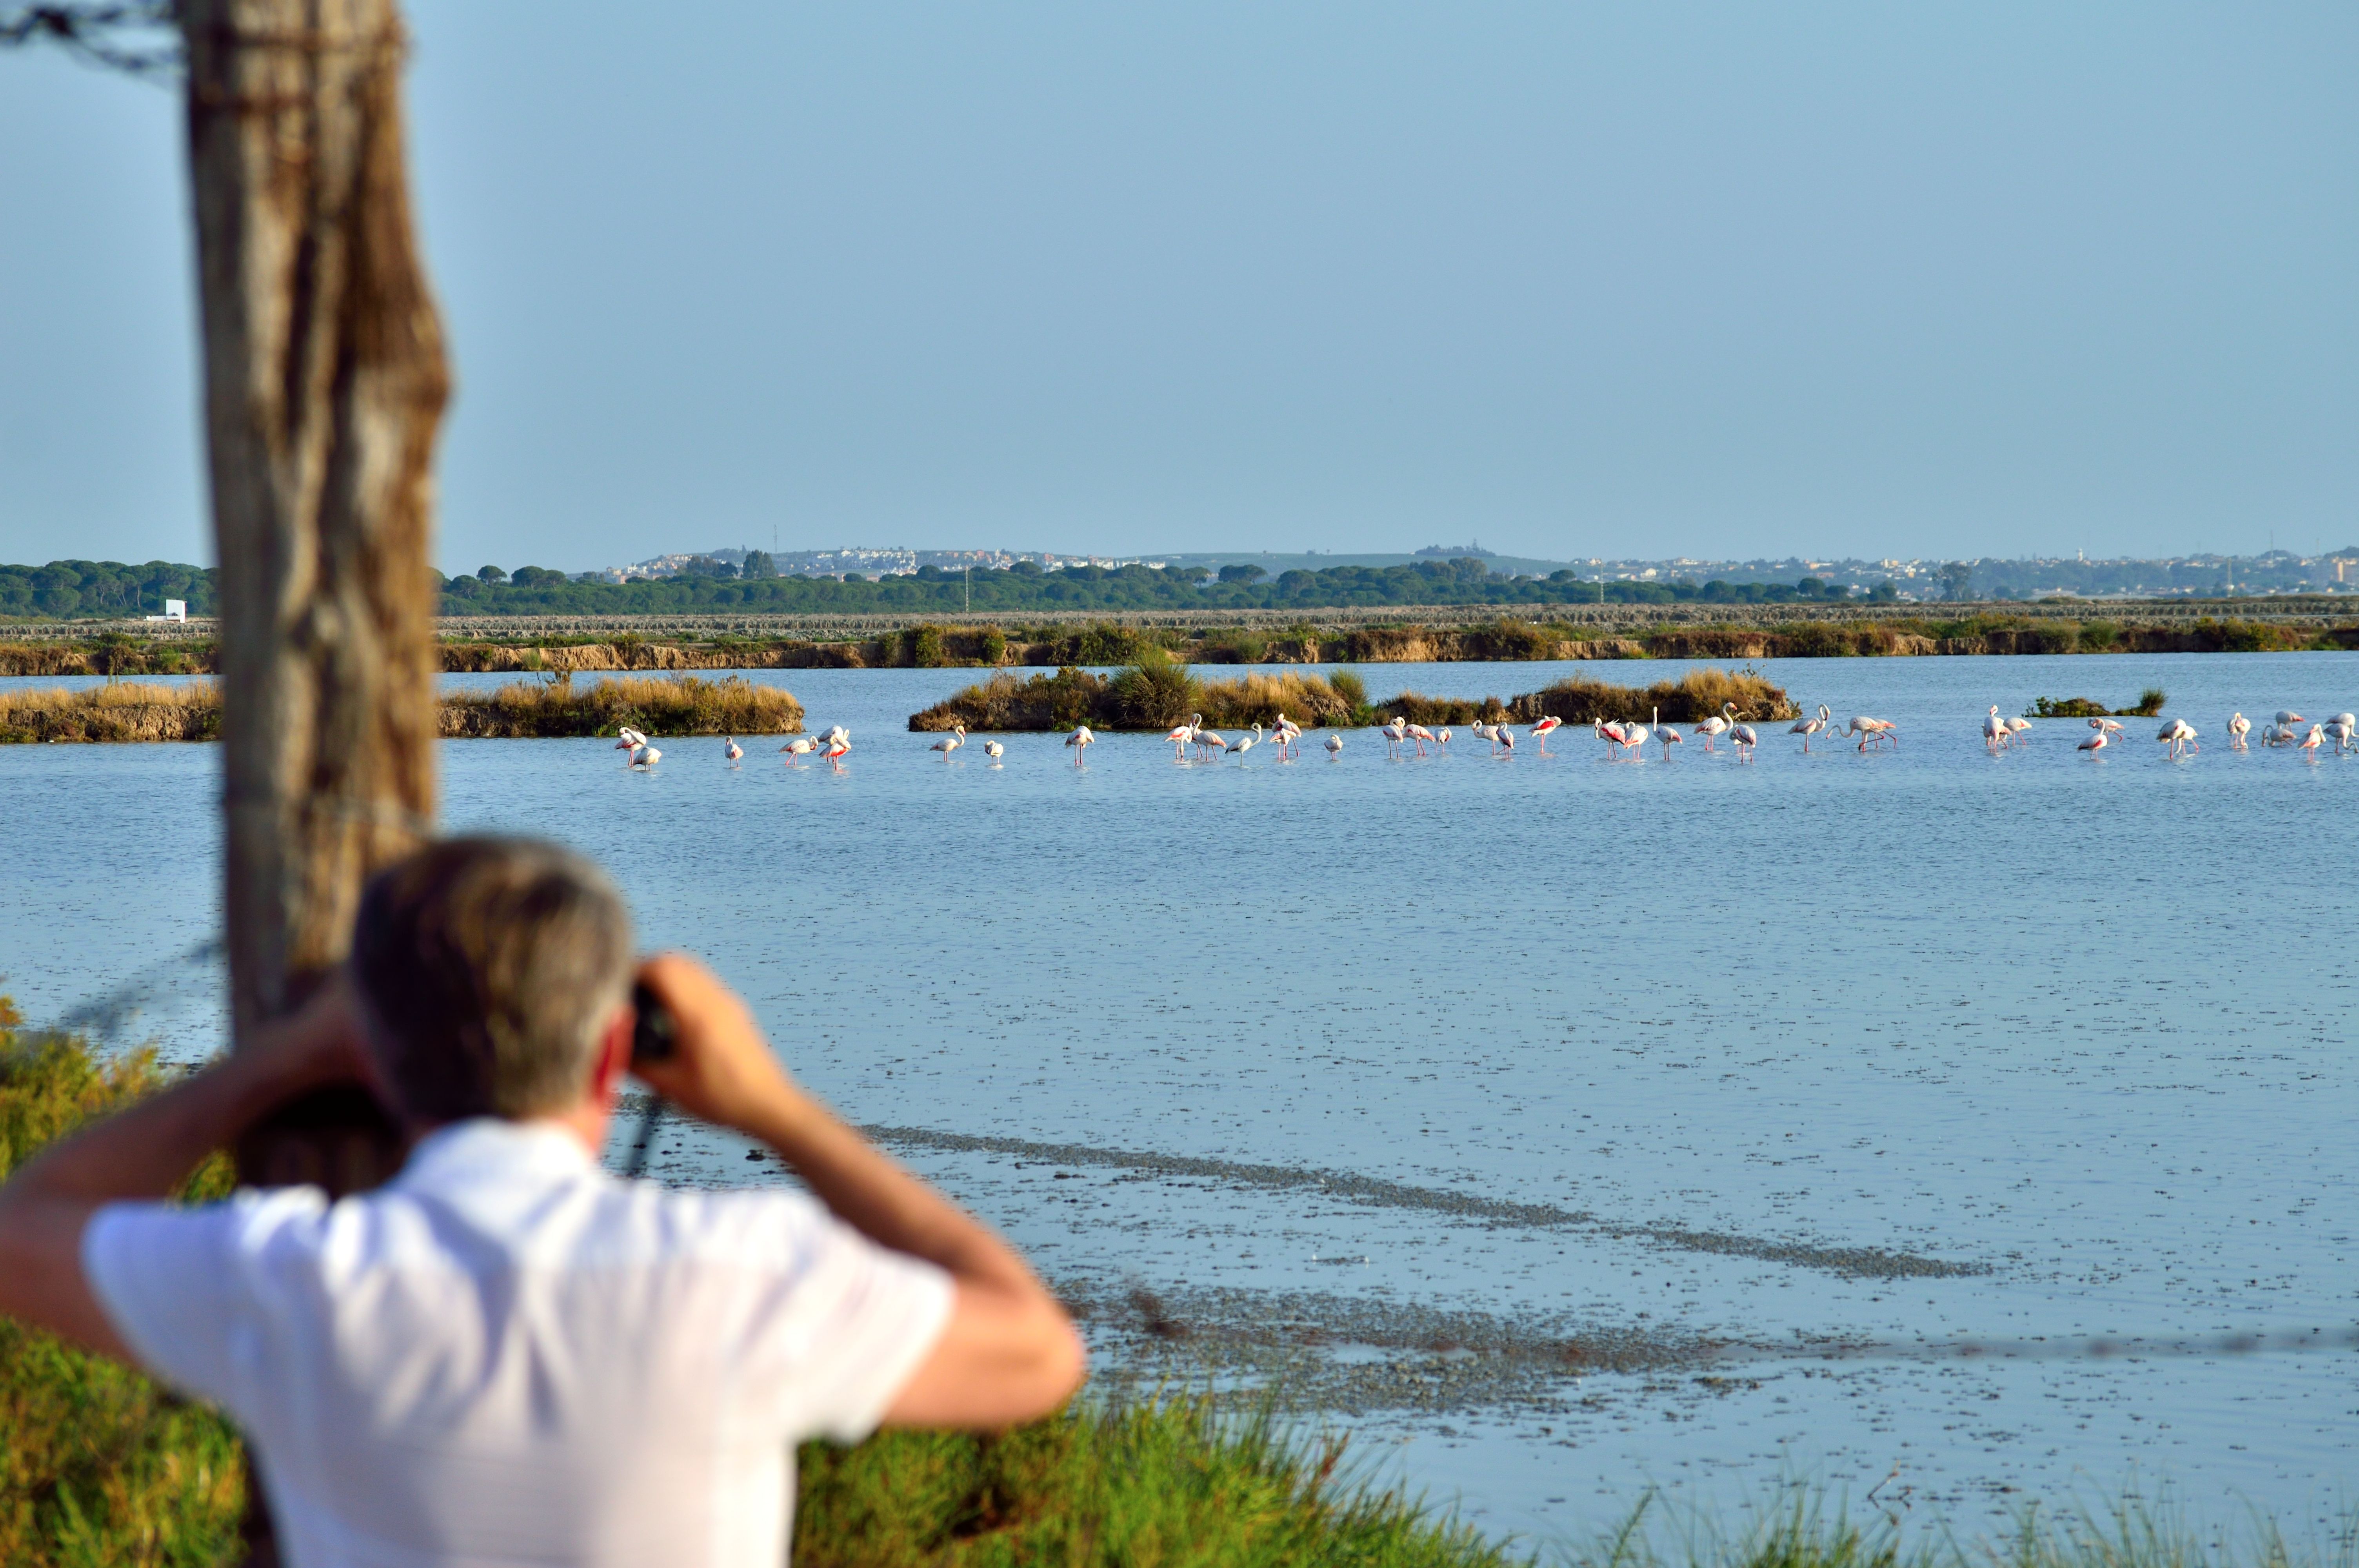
{"points": [[506, 1356]]}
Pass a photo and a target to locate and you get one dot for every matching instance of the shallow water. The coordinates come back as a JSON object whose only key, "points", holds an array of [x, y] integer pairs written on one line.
{"points": [[2081, 1022]]}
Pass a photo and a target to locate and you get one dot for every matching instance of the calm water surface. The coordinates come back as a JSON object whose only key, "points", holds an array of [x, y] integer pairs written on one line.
{"points": [[2083, 1021]]}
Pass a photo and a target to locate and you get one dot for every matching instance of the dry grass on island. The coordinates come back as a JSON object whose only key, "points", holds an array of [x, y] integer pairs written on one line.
{"points": [[680, 705], [677, 705], [129, 711], [1156, 694]]}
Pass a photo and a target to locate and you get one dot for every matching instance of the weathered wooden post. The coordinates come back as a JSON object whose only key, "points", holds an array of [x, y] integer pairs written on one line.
{"points": [[324, 380]]}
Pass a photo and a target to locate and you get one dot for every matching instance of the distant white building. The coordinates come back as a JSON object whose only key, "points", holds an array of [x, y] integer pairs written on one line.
{"points": [[174, 610]]}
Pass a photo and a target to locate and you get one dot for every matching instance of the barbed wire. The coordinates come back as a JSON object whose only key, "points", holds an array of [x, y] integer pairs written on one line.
{"points": [[103, 35]]}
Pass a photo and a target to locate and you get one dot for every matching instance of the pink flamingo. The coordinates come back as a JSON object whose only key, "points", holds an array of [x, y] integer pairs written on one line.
{"points": [[1395, 733], [1420, 734], [1541, 730], [1080, 739], [2095, 743]]}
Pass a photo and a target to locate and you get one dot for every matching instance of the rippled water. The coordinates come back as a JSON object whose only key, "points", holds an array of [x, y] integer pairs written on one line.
{"points": [[2084, 1023]]}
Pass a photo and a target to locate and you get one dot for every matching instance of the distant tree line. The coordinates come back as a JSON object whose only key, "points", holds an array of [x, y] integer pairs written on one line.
{"points": [[103, 590], [108, 589]]}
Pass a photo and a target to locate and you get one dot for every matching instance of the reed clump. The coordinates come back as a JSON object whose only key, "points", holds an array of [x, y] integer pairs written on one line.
{"points": [[1153, 692], [2149, 705], [1695, 695], [675, 705], [126, 711], [680, 705], [1308, 700]]}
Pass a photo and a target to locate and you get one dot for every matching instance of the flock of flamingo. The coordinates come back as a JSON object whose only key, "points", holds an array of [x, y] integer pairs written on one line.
{"points": [[2285, 729], [1621, 741]]}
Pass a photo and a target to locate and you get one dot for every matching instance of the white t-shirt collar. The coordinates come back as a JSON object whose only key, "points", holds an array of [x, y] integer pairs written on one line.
{"points": [[463, 1154]]}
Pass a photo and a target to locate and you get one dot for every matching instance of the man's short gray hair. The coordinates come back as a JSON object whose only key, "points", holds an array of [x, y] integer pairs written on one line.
{"points": [[490, 966]]}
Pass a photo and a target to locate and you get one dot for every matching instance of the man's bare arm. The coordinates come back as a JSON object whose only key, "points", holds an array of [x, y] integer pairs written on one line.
{"points": [[145, 1151], [1009, 1352]]}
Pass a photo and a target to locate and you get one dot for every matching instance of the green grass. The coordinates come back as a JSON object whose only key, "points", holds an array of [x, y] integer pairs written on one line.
{"points": [[98, 1465]]}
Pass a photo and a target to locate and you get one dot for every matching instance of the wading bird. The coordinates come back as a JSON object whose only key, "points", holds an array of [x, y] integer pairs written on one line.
{"points": [[1871, 730], [1634, 741], [1183, 735], [1994, 732], [1806, 728], [2342, 728], [1607, 730], [2110, 728], [2287, 715], [2179, 736], [1081, 740], [838, 746], [1420, 734], [2018, 727], [1506, 738], [1334, 744], [1395, 733], [645, 756], [2095, 743], [1207, 743], [2309, 742], [1442, 736], [801, 746], [631, 741], [1541, 728], [2238, 727], [1247, 742], [994, 749], [1486, 731], [1717, 725], [734, 751], [1744, 738], [1287, 733], [950, 742], [1669, 736]]}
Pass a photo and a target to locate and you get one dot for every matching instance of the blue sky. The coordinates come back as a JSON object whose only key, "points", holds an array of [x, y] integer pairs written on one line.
{"points": [[1714, 279]]}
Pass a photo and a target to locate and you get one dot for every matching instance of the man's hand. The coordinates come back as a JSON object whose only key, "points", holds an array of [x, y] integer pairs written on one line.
{"points": [[1008, 1353], [720, 1069]]}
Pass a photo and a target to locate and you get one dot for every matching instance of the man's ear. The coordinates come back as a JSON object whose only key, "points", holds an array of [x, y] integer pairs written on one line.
{"points": [[614, 1060]]}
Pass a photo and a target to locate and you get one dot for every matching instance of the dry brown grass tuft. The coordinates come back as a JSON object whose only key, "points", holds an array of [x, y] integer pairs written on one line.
{"points": [[129, 711], [1260, 699], [678, 705], [1695, 695]]}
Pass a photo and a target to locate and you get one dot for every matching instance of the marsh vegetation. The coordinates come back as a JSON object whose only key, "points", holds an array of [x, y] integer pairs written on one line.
{"points": [[1156, 693], [2149, 705], [677, 705]]}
